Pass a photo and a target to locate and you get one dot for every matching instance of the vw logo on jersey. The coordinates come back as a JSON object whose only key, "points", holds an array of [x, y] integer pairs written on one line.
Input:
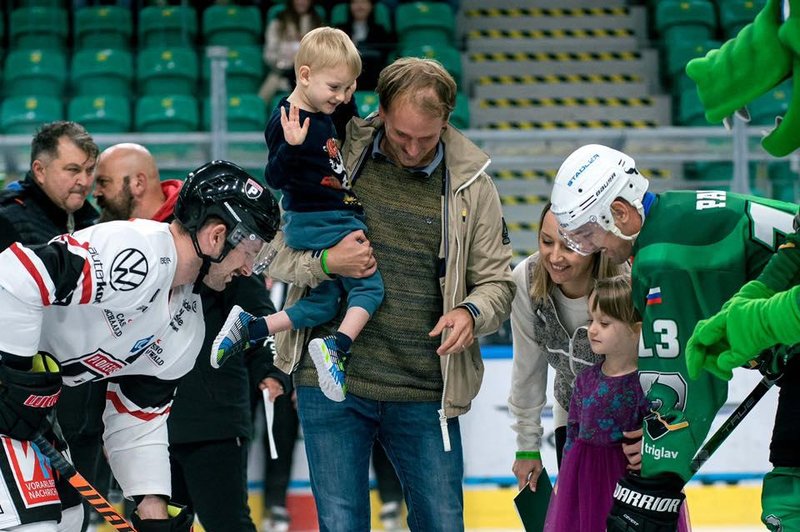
{"points": [[252, 189], [128, 270]]}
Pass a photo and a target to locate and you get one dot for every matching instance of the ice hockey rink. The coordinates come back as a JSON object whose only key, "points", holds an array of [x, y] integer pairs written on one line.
{"points": [[724, 496]]}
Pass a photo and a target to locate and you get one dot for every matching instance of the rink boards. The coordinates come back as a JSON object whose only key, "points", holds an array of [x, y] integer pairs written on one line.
{"points": [[489, 446]]}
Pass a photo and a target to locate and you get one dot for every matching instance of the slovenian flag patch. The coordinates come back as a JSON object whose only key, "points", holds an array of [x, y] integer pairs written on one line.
{"points": [[654, 296]]}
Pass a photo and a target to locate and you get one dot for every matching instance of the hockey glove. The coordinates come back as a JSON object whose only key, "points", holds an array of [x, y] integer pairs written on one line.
{"points": [[758, 324], [710, 336], [180, 520], [783, 270], [645, 505], [27, 396]]}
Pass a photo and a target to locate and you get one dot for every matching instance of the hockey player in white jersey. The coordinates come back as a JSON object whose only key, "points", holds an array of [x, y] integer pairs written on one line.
{"points": [[118, 301]]}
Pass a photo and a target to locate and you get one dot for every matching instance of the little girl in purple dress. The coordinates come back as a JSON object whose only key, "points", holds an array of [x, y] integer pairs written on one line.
{"points": [[607, 400]]}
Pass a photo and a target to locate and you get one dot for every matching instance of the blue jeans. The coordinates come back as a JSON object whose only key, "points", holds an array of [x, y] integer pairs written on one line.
{"points": [[338, 441]]}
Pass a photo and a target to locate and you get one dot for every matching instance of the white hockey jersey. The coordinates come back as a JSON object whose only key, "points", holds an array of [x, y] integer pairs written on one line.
{"points": [[101, 302]]}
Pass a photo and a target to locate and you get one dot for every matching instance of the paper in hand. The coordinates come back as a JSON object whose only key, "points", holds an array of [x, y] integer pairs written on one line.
{"points": [[532, 505]]}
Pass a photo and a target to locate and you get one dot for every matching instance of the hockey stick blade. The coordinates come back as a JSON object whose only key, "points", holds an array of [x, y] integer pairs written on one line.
{"points": [[732, 422], [86, 490]]}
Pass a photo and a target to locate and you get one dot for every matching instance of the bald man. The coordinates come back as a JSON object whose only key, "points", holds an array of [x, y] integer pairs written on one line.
{"points": [[210, 422], [127, 185]]}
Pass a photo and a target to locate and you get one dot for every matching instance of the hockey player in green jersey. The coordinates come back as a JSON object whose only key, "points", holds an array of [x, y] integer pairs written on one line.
{"points": [[691, 251], [763, 54]]}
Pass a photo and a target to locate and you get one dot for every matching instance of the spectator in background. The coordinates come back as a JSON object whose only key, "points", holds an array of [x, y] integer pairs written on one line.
{"points": [[210, 422], [51, 201], [281, 43], [374, 42], [549, 324]]}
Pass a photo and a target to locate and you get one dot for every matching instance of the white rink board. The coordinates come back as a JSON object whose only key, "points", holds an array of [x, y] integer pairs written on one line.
{"points": [[490, 444]]}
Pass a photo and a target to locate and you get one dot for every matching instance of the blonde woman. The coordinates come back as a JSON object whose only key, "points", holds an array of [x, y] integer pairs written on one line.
{"points": [[549, 322]]}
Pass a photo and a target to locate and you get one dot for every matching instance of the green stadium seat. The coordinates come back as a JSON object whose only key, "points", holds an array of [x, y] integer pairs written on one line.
{"points": [[244, 73], [678, 54], [736, 14], [340, 14], [101, 114], [105, 72], [690, 110], [38, 28], [366, 103], [35, 73], [167, 71], [766, 107], [22, 115], [167, 26], [425, 23], [103, 27], [448, 56], [246, 112], [160, 114], [169, 114], [232, 25], [691, 20], [460, 115]]}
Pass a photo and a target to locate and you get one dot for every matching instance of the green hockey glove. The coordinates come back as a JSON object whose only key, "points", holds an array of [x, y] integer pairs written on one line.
{"points": [[744, 68], [758, 324], [710, 337], [783, 270]]}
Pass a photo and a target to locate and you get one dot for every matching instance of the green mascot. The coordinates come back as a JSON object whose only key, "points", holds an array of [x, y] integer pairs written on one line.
{"points": [[766, 311]]}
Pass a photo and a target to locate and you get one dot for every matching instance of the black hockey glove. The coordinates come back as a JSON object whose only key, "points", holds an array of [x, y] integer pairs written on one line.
{"points": [[27, 396], [180, 520], [646, 505]]}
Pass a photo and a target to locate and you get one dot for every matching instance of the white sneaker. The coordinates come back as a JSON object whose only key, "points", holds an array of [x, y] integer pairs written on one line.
{"points": [[391, 517], [278, 520]]}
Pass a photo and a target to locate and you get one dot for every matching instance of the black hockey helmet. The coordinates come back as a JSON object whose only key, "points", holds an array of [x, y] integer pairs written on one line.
{"points": [[226, 191]]}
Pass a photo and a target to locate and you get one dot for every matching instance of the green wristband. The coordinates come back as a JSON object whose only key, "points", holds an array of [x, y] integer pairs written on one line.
{"points": [[322, 261], [529, 455]]}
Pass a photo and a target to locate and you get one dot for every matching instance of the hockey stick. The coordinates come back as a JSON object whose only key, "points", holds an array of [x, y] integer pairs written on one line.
{"points": [[85, 489], [732, 422]]}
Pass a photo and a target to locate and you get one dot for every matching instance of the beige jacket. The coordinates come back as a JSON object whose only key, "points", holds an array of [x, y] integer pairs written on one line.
{"points": [[478, 261]]}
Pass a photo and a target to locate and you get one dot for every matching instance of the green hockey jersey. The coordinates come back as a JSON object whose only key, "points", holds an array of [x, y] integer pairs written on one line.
{"points": [[695, 250]]}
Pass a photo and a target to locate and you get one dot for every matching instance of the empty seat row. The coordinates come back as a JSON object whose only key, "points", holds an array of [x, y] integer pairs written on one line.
{"points": [[112, 26], [228, 25], [111, 72], [112, 114], [700, 20]]}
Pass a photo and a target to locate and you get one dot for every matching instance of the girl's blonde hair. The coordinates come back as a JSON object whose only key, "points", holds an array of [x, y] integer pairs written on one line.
{"points": [[541, 284], [613, 297], [327, 47]]}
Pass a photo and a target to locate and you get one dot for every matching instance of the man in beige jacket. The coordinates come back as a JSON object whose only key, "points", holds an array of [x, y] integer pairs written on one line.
{"points": [[435, 223]]}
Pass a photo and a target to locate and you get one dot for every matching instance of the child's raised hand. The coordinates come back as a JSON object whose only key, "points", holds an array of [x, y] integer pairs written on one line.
{"points": [[293, 132]]}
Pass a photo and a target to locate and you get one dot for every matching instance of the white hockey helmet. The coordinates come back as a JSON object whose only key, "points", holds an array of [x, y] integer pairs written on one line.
{"points": [[589, 180]]}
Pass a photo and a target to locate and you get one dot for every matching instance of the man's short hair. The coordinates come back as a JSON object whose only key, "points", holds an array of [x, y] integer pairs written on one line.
{"points": [[327, 47], [416, 80], [45, 141]]}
